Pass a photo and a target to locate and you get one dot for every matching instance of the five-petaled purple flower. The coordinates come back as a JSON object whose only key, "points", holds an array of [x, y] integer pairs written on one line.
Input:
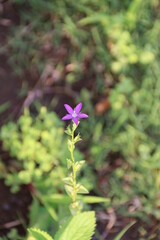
{"points": [[74, 114]]}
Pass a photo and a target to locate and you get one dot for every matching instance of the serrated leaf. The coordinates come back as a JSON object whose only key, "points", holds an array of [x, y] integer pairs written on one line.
{"points": [[79, 227], [68, 131], [77, 138], [81, 189], [79, 165], [39, 234], [69, 190], [69, 163]]}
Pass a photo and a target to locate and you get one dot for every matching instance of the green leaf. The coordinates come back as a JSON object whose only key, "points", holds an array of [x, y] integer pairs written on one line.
{"points": [[74, 127], [34, 211], [77, 138], [94, 18], [94, 199], [50, 209], [70, 145], [69, 190], [79, 227], [39, 234], [81, 189], [68, 180], [68, 131], [69, 163], [64, 199], [120, 235], [58, 199], [79, 165]]}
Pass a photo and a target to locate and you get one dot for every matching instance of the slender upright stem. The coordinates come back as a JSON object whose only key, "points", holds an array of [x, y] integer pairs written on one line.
{"points": [[71, 186], [73, 168]]}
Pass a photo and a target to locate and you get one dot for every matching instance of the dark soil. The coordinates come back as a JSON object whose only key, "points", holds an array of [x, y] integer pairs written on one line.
{"points": [[14, 209], [9, 83]]}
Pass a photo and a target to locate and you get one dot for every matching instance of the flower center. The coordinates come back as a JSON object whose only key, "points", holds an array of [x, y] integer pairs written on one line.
{"points": [[74, 114]]}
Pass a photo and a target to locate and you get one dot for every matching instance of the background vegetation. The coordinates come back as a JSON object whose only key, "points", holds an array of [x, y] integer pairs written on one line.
{"points": [[105, 54]]}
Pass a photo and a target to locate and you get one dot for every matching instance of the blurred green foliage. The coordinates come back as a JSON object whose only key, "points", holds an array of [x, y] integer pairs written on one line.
{"points": [[13, 234], [36, 142], [116, 35], [135, 136], [115, 46]]}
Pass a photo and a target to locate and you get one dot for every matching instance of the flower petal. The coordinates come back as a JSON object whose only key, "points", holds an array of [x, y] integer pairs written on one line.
{"points": [[68, 108], [78, 108], [67, 117], [75, 120], [82, 115]]}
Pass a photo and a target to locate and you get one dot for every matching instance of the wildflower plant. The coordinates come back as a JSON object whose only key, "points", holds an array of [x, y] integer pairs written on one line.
{"points": [[72, 187], [80, 225]]}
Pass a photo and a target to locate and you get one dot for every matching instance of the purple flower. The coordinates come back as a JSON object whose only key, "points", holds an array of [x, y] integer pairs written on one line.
{"points": [[74, 114]]}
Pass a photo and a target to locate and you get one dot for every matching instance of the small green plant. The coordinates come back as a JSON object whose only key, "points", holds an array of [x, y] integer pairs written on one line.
{"points": [[34, 150], [71, 185], [81, 225]]}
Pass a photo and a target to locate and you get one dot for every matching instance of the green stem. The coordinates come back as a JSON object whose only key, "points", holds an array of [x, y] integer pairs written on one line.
{"points": [[73, 168]]}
